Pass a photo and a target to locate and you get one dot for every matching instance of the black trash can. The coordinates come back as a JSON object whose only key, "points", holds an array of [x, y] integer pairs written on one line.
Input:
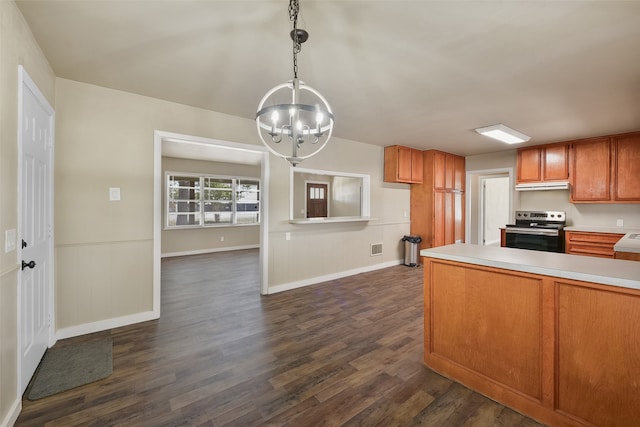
{"points": [[411, 250]]}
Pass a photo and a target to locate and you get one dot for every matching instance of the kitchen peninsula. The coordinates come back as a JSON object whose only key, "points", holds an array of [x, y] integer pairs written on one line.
{"points": [[554, 336]]}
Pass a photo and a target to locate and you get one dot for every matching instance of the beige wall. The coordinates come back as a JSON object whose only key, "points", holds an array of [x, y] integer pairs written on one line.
{"points": [[104, 249], [590, 214], [185, 241], [105, 139], [17, 47]]}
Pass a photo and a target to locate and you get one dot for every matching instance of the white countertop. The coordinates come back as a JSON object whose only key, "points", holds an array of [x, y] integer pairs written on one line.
{"points": [[604, 271], [596, 229], [630, 242]]}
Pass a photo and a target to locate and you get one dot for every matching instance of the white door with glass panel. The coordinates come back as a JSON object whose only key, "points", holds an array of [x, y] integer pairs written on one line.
{"points": [[36, 145]]}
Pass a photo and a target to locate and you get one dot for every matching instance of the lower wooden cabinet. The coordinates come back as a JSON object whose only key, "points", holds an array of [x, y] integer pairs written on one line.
{"points": [[591, 244], [561, 351], [629, 256]]}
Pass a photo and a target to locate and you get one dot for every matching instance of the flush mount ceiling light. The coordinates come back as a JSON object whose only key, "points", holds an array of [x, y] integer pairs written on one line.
{"points": [[294, 121], [503, 133]]}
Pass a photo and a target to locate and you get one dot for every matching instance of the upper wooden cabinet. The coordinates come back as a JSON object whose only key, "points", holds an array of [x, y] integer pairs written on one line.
{"points": [[543, 163], [591, 171], [626, 155], [402, 164], [529, 165], [606, 170]]}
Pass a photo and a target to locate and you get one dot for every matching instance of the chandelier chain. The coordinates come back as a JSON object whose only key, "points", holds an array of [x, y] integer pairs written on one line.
{"points": [[294, 8]]}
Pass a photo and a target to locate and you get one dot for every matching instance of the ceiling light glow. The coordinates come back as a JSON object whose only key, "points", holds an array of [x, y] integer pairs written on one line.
{"points": [[503, 133]]}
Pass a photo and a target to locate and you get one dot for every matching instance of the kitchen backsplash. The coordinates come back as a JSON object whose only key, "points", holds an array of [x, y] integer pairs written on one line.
{"points": [[599, 215]]}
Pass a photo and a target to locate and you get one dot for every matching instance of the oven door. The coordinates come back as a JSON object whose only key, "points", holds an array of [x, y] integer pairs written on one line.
{"points": [[535, 239]]}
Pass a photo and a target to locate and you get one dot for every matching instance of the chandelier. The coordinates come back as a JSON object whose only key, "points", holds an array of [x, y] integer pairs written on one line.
{"points": [[294, 121]]}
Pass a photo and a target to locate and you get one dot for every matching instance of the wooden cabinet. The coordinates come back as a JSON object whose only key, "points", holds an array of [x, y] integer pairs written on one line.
{"points": [[591, 244], [543, 163], [629, 256], [626, 154], [606, 169], [437, 205], [561, 351], [529, 165], [402, 164], [591, 171]]}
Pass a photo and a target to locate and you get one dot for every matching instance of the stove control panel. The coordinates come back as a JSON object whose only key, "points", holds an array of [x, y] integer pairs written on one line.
{"points": [[542, 216]]}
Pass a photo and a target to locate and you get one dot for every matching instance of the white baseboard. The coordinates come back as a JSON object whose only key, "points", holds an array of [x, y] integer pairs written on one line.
{"points": [[12, 416], [333, 276], [209, 251], [103, 325]]}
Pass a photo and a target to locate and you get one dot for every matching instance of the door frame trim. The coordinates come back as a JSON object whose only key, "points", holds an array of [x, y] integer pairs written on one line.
{"points": [[158, 137], [25, 80]]}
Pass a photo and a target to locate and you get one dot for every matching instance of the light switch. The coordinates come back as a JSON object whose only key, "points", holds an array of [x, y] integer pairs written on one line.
{"points": [[10, 240], [620, 223], [114, 193], [287, 235]]}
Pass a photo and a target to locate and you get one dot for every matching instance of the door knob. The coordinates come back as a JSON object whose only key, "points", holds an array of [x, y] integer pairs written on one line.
{"points": [[29, 264]]}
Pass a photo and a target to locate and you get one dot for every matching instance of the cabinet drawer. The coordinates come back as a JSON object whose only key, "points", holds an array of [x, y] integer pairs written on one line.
{"points": [[591, 244]]}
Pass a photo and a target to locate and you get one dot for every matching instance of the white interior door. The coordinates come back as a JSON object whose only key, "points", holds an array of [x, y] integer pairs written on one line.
{"points": [[36, 139], [495, 208]]}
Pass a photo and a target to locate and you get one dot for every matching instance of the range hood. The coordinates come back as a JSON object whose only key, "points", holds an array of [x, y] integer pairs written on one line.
{"points": [[534, 186]]}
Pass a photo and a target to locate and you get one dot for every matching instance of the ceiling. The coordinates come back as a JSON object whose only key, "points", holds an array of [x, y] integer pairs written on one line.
{"points": [[416, 73]]}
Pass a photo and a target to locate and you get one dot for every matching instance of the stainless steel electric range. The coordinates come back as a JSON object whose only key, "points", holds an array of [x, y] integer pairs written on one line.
{"points": [[537, 230]]}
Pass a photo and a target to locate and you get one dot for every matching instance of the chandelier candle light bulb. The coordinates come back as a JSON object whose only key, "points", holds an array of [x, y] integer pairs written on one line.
{"points": [[310, 117]]}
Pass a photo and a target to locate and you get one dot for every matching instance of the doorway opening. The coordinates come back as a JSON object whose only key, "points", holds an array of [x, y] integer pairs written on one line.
{"points": [[212, 150], [490, 200]]}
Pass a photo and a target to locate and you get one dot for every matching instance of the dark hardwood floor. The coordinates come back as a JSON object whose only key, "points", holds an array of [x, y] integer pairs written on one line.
{"points": [[345, 352]]}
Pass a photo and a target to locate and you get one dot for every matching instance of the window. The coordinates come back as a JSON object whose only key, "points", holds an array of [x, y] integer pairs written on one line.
{"points": [[203, 201]]}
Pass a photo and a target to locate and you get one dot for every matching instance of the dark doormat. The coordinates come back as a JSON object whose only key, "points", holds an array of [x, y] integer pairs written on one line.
{"points": [[71, 366]]}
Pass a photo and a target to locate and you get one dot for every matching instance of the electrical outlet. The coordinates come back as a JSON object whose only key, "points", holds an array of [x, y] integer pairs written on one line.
{"points": [[620, 223], [287, 235], [222, 238]]}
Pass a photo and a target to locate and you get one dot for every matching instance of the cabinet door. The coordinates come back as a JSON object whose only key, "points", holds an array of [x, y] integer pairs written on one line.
{"points": [[459, 174], [416, 166], [404, 163], [591, 171], [529, 165], [439, 169], [556, 162], [449, 218], [458, 211], [449, 171], [439, 215], [627, 170]]}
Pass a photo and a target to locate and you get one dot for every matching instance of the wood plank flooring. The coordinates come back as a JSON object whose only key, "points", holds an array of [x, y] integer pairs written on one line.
{"points": [[345, 352]]}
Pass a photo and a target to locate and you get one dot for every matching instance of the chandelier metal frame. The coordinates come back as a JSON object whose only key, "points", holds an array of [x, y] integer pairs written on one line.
{"points": [[303, 125]]}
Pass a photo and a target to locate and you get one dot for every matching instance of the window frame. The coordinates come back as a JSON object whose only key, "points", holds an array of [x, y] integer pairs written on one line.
{"points": [[201, 201]]}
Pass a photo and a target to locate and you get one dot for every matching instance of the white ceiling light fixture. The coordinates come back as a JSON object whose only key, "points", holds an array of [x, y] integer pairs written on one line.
{"points": [[294, 121], [503, 133]]}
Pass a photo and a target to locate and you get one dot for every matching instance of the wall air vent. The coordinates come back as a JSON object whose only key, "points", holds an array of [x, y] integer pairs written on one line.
{"points": [[376, 249]]}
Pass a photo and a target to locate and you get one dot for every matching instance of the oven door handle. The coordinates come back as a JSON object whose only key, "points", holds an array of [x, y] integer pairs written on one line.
{"points": [[533, 231]]}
